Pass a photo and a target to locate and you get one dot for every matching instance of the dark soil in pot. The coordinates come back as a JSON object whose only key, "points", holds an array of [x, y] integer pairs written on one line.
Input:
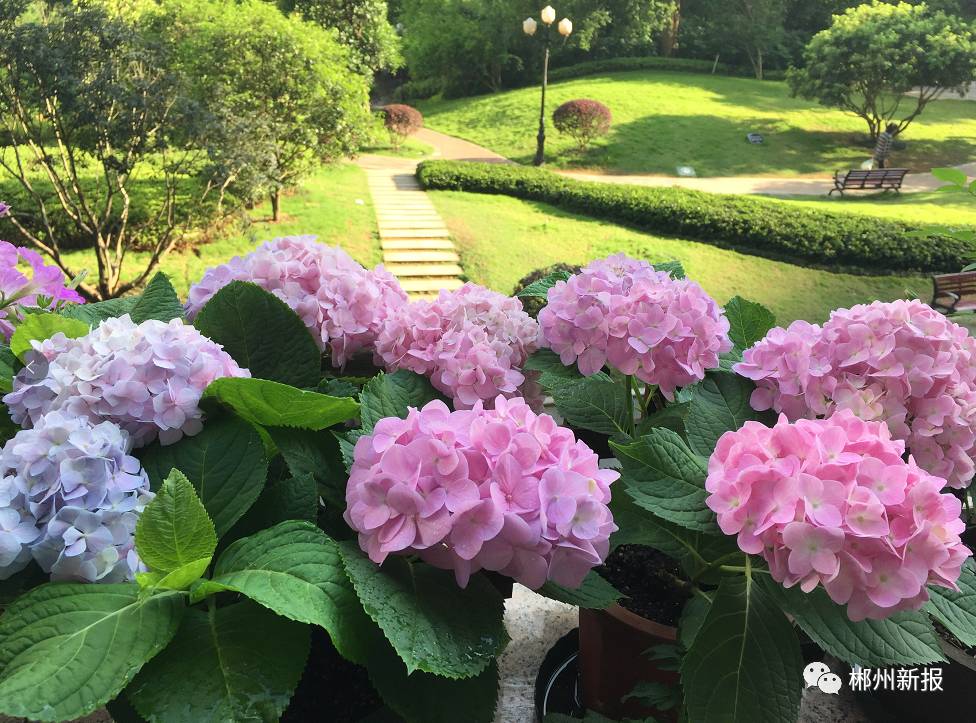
{"points": [[648, 579], [331, 689]]}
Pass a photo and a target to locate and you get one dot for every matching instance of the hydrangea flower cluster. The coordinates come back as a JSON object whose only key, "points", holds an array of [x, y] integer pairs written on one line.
{"points": [[833, 502], [470, 342], [664, 331], [42, 287], [147, 378], [341, 303], [502, 489], [901, 362], [70, 496]]}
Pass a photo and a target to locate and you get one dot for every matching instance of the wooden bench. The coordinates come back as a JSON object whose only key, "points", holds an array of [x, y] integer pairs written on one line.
{"points": [[954, 292], [873, 180]]}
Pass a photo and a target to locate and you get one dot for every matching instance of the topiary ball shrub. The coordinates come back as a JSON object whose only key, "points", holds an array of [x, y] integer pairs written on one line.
{"points": [[582, 119], [532, 304], [401, 121]]}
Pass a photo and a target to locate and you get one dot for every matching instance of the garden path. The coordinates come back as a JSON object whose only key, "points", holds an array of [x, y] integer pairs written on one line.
{"points": [[455, 149], [416, 245]]}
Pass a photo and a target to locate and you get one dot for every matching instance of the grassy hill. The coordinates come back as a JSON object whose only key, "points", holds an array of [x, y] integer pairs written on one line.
{"points": [[665, 119]]}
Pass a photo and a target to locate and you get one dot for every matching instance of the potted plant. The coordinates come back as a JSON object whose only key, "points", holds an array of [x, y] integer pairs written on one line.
{"points": [[809, 525], [189, 509]]}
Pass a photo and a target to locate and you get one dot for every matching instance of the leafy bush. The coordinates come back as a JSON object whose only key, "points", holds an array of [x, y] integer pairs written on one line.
{"points": [[401, 121], [531, 303], [750, 225], [619, 65], [582, 119]]}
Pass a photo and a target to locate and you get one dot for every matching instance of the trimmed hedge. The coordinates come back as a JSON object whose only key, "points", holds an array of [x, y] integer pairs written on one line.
{"points": [[651, 62], [834, 241]]}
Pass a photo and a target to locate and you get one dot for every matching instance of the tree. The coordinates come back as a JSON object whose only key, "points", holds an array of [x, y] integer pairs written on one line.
{"points": [[362, 25], [91, 107], [873, 55], [278, 87], [753, 26]]}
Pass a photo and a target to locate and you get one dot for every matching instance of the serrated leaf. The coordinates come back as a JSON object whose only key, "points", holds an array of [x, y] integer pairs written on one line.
{"points": [[66, 649], [595, 593], [41, 326], [158, 301], [175, 530], [292, 498], [744, 665], [434, 625], [347, 445], [225, 463], [673, 417], [314, 454], [540, 288], [389, 395], [665, 477], [905, 638], [748, 321], [337, 388], [595, 403], [719, 404], [674, 268], [262, 334], [293, 569], [431, 698], [957, 610], [240, 662], [692, 617], [553, 372], [179, 579], [270, 404], [94, 314]]}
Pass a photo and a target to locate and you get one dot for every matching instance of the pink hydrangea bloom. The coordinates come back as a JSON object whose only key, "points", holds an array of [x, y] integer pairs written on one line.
{"points": [[25, 281], [147, 378], [341, 303], [471, 343], [503, 489], [662, 330], [833, 502], [901, 362]]}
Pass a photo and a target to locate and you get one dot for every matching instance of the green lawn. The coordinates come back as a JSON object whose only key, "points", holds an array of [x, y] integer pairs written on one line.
{"points": [[333, 204], [937, 207], [500, 239], [662, 120]]}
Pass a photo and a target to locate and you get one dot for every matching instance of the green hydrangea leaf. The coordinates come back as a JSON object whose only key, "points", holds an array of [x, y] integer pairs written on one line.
{"points": [[235, 663], [748, 321], [271, 404], [262, 334], [389, 395], [179, 579], [744, 665], [719, 404], [293, 569], [225, 463], [314, 454], [157, 301], [957, 610], [596, 403], [41, 326], [595, 593], [66, 649], [174, 530], [541, 287], [434, 625], [94, 314]]}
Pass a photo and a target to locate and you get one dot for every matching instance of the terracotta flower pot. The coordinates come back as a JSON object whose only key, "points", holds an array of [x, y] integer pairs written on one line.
{"points": [[613, 659]]}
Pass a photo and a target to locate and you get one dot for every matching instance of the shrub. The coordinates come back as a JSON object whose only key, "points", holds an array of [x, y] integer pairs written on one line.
{"points": [[765, 228], [532, 304], [582, 119], [401, 121]]}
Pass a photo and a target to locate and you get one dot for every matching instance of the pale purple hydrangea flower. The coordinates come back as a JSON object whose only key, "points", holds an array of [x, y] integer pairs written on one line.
{"points": [[471, 343], [664, 331], [147, 378], [70, 497], [503, 489], [27, 282], [341, 303], [901, 362]]}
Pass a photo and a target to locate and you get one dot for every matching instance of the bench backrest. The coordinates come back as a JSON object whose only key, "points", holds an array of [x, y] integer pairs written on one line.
{"points": [[963, 284], [878, 174]]}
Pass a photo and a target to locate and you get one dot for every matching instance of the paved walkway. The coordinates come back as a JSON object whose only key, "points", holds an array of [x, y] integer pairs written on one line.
{"points": [[455, 149], [416, 244]]}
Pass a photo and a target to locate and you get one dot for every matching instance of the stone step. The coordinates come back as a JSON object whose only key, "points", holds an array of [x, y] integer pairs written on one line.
{"points": [[418, 257], [403, 270], [429, 285], [426, 244], [415, 233]]}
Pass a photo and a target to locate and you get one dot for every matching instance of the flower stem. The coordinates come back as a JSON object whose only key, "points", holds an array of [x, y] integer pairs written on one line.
{"points": [[629, 396]]}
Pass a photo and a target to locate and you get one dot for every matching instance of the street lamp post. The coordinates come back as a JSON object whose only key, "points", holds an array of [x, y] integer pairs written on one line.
{"points": [[529, 27]]}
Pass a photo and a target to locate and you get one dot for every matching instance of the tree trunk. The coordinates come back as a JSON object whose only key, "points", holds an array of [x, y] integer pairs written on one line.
{"points": [[669, 38], [276, 205]]}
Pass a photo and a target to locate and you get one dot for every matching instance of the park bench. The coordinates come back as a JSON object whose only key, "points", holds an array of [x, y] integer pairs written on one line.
{"points": [[954, 292], [880, 178]]}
